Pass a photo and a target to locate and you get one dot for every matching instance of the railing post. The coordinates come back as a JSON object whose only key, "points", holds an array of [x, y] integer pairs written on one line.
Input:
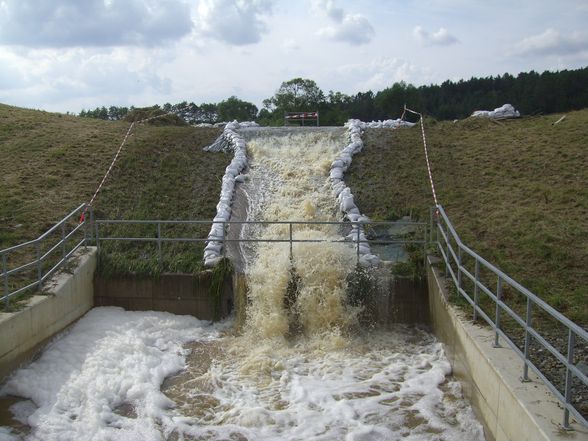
{"points": [[63, 252], [568, 389], [458, 268], [159, 243], [476, 288], [425, 250], [39, 265], [447, 251], [97, 235], [291, 254], [528, 324], [358, 238], [5, 272], [223, 242], [497, 319], [431, 224], [85, 228]]}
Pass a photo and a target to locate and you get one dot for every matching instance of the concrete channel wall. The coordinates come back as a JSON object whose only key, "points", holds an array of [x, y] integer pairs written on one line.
{"points": [[66, 298], [175, 293], [509, 409]]}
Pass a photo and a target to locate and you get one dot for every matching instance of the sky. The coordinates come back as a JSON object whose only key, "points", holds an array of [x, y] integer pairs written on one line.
{"points": [[69, 55]]}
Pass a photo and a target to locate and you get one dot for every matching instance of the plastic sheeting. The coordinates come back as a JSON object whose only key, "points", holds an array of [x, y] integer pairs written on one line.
{"points": [[503, 112]]}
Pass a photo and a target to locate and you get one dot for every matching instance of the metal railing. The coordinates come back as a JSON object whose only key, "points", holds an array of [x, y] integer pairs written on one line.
{"points": [[471, 274], [25, 267], [469, 278], [160, 238]]}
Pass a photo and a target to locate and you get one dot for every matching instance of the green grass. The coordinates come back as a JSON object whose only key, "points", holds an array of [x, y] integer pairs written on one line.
{"points": [[51, 163], [516, 192]]}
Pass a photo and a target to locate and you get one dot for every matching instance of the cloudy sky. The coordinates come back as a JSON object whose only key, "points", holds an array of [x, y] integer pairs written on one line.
{"points": [[68, 55]]}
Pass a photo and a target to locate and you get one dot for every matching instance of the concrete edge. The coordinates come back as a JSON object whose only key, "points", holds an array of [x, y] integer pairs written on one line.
{"points": [[67, 296], [508, 408]]}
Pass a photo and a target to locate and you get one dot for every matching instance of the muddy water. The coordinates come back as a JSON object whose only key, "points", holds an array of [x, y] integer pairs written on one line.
{"points": [[304, 367]]}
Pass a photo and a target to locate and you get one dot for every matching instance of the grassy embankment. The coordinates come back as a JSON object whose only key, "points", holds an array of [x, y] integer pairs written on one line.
{"points": [[51, 163], [516, 192]]}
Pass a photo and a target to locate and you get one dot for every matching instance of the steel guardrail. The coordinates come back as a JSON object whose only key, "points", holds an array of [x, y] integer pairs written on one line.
{"points": [[452, 256], [159, 238], [452, 251], [64, 247]]}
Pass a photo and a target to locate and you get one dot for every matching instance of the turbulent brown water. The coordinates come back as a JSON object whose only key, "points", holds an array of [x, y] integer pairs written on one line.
{"points": [[328, 379]]}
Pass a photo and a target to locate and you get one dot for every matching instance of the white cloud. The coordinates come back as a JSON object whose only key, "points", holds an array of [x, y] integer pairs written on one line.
{"points": [[440, 38], [69, 23], [348, 28], [236, 22], [552, 42], [382, 72], [85, 76], [290, 45]]}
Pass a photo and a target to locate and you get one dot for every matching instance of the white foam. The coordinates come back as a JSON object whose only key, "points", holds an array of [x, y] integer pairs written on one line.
{"points": [[388, 385], [109, 358]]}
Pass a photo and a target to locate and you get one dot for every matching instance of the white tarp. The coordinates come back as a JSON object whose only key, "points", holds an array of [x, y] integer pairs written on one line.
{"points": [[503, 112]]}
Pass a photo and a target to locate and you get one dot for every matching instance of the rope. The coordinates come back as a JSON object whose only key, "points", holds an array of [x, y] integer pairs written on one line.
{"points": [[131, 127], [426, 153]]}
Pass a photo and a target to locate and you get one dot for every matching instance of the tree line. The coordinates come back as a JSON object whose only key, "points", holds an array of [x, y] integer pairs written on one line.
{"points": [[530, 92]]}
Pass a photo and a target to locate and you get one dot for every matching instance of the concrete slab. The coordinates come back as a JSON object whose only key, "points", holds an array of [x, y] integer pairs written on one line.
{"points": [[67, 297]]}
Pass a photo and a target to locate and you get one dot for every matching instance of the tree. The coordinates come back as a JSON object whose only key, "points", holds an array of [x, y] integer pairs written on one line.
{"points": [[296, 95], [390, 101], [234, 108]]}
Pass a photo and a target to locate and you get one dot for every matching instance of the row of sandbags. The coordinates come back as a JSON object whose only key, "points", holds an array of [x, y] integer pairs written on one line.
{"points": [[230, 140], [224, 124], [386, 124], [343, 193]]}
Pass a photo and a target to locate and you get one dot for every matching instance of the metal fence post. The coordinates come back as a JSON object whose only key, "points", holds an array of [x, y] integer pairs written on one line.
{"points": [[497, 320], [527, 341], [159, 243], [358, 238], [425, 249], [476, 288], [447, 251], [63, 252], [458, 268], [39, 264], [97, 235], [431, 225], [291, 254], [5, 272], [85, 230], [568, 390]]}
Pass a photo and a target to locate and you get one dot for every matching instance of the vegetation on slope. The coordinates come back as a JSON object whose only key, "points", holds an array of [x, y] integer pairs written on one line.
{"points": [[516, 192], [51, 163]]}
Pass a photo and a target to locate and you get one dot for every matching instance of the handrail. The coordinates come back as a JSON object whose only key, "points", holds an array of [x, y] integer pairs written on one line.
{"points": [[454, 267], [536, 300], [64, 247]]}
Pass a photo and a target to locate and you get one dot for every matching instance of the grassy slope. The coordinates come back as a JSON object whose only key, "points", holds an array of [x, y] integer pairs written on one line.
{"points": [[51, 163], [517, 193]]}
